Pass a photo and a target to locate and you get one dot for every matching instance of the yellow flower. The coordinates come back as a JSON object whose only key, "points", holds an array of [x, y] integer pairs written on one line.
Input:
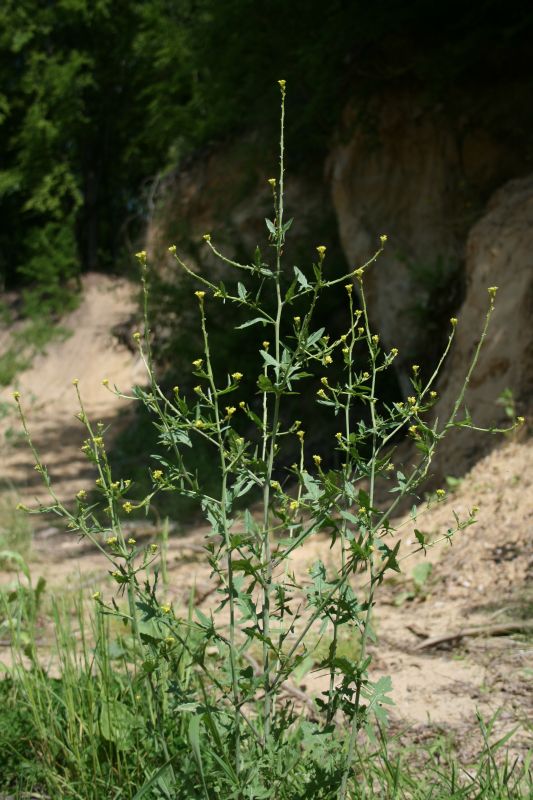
{"points": [[141, 255], [317, 460], [169, 640], [198, 423], [16, 395], [153, 548], [176, 389], [383, 238], [157, 474], [520, 420], [300, 435], [198, 363], [327, 360], [275, 485], [411, 400], [415, 368], [242, 404], [282, 85], [230, 410], [297, 320], [413, 429], [272, 181], [96, 596], [111, 541], [131, 540], [345, 351], [172, 249], [492, 291], [128, 508], [206, 237], [321, 250], [365, 376], [198, 390], [360, 331], [375, 338], [349, 287], [440, 493], [338, 436], [324, 381], [237, 376], [82, 494], [394, 352], [75, 381], [453, 321], [359, 273], [321, 393], [433, 395], [266, 345], [166, 609], [137, 336], [293, 505], [200, 295]]}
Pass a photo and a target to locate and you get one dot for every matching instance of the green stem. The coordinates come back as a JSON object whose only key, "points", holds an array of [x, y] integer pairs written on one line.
{"points": [[227, 540]]}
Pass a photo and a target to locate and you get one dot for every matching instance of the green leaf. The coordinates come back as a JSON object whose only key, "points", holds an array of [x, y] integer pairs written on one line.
{"points": [[268, 359], [251, 322], [287, 225], [420, 538], [300, 277], [116, 723], [265, 384], [271, 227], [421, 573], [314, 337], [194, 740]]}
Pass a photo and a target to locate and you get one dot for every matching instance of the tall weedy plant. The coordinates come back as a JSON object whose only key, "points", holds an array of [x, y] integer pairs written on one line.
{"points": [[242, 656]]}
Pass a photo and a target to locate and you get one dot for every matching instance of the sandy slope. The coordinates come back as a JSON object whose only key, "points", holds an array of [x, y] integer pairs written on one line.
{"points": [[91, 353]]}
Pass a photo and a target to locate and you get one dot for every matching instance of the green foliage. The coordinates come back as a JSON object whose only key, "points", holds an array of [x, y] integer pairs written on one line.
{"points": [[100, 97], [209, 719], [32, 338], [15, 529]]}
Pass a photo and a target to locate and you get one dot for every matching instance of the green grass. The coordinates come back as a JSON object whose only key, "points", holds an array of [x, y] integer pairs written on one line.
{"points": [[15, 529], [78, 720], [28, 342]]}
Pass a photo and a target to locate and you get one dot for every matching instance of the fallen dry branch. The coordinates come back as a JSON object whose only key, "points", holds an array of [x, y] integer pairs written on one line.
{"points": [[484, 630]]}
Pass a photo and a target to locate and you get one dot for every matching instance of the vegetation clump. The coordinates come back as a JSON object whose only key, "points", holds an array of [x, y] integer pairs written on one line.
{"points": [[205, 703]]}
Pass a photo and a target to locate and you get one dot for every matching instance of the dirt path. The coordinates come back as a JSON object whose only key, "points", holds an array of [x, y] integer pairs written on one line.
{"points": [[90, 353]]}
